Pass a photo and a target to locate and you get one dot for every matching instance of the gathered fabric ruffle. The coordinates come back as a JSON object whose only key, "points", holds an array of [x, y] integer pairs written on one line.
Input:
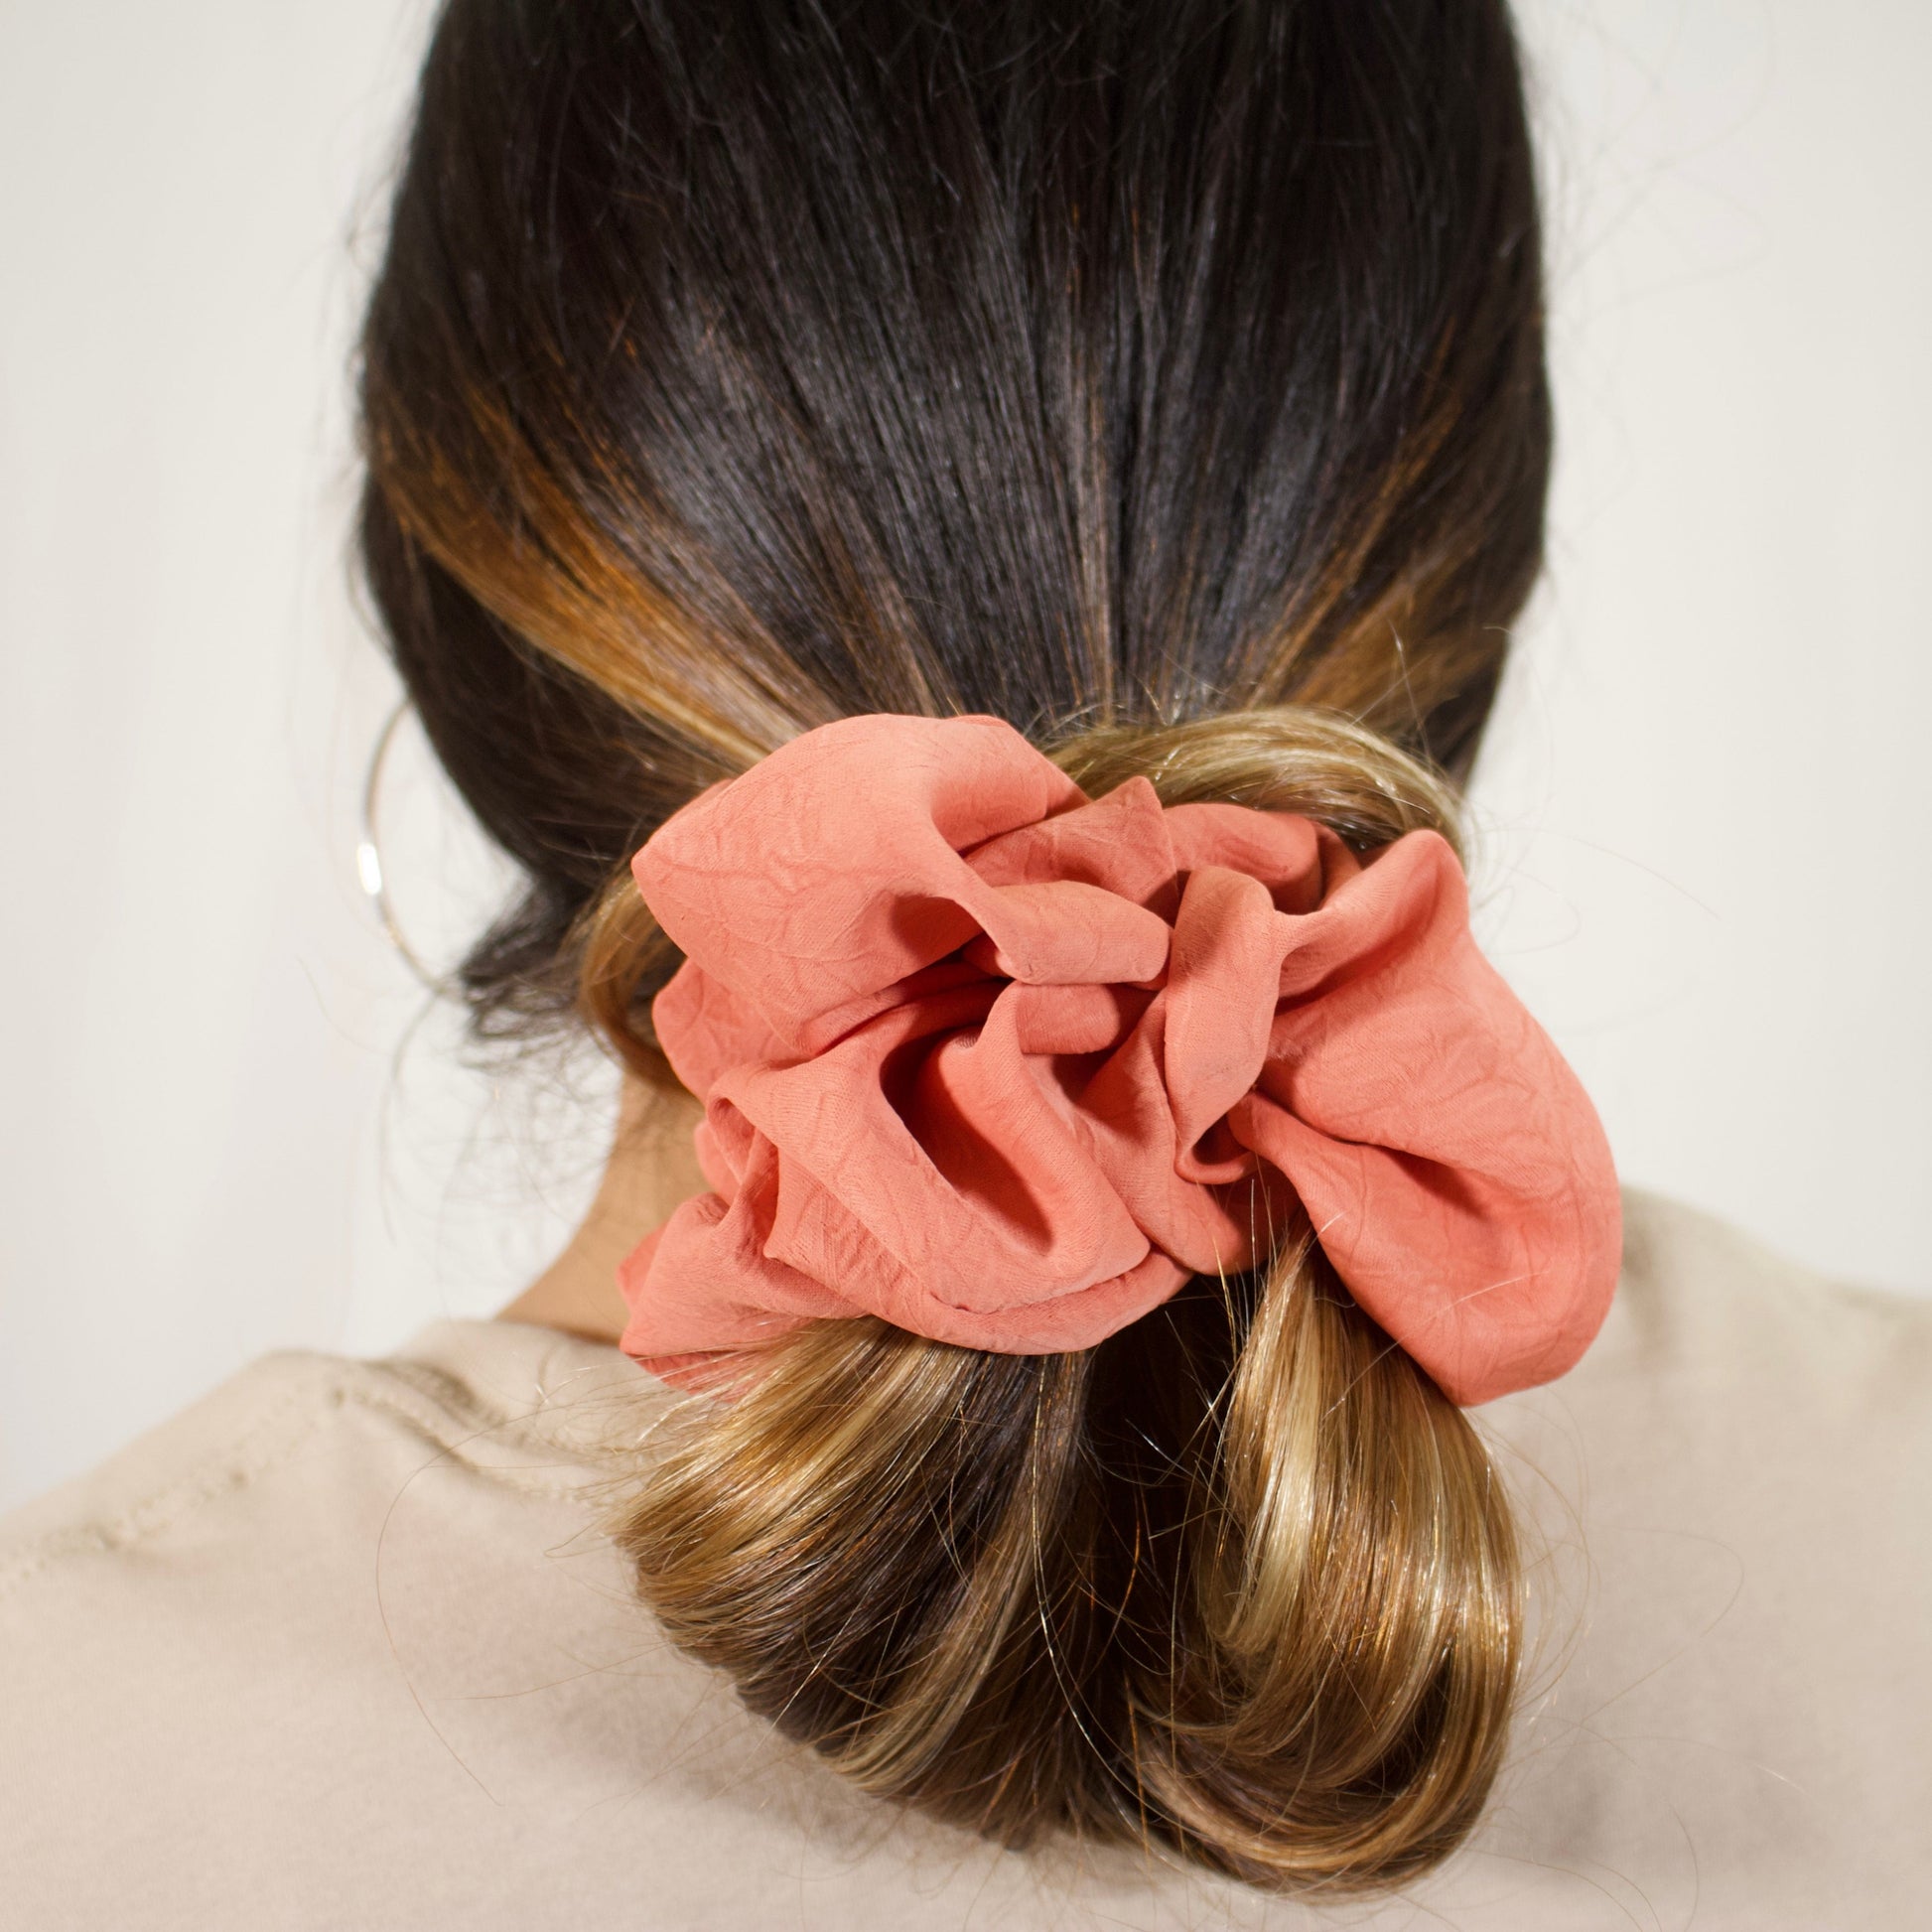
{"points": [[1006, 1066]]}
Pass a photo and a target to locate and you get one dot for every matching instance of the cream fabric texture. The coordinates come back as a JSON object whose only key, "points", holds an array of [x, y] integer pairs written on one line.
{"points": [[342, 1646]]}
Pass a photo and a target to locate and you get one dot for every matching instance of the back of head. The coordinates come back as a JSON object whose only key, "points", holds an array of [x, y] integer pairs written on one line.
{"points": [[1166, 379]]}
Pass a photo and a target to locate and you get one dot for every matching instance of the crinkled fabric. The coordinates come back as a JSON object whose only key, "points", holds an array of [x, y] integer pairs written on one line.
{"points": [[1006, 1066]]}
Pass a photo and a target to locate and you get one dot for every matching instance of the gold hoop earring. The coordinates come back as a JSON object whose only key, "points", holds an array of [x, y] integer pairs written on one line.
{"points": [[368, 856]]}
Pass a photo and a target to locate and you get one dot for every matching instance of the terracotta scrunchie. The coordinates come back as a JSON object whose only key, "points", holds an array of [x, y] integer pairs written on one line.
{"points": [[1006, 1066]]}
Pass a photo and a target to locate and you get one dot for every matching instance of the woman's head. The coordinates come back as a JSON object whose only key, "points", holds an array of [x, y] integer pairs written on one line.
{"points": [[1111, 368]]}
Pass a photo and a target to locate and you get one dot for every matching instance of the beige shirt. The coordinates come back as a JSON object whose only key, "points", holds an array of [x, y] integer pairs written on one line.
{"points": [[341, 1646]]}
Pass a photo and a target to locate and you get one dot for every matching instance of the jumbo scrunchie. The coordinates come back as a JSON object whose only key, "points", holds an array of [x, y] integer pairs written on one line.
{"points": [[1006, 1066]]}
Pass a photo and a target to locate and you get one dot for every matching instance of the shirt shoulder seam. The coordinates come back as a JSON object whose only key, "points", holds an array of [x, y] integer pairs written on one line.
{"points": [[262, 1446]]}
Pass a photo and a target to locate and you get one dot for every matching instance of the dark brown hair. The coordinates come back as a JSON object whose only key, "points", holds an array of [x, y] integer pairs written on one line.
{"points": [[1164, 376]]}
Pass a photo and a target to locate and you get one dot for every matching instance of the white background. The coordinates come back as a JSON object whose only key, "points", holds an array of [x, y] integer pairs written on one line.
{"points": [[229, 1124]]}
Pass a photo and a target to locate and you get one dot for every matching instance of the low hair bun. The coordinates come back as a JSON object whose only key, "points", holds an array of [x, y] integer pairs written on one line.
{"points": [[1240, 1580]]}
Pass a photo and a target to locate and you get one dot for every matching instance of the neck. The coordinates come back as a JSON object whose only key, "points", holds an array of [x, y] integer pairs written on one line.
{"points": [[651, 1169]]}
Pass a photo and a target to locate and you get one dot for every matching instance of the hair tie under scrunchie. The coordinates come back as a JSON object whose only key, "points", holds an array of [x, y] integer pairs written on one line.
{"points": [[1006, 1066]]}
